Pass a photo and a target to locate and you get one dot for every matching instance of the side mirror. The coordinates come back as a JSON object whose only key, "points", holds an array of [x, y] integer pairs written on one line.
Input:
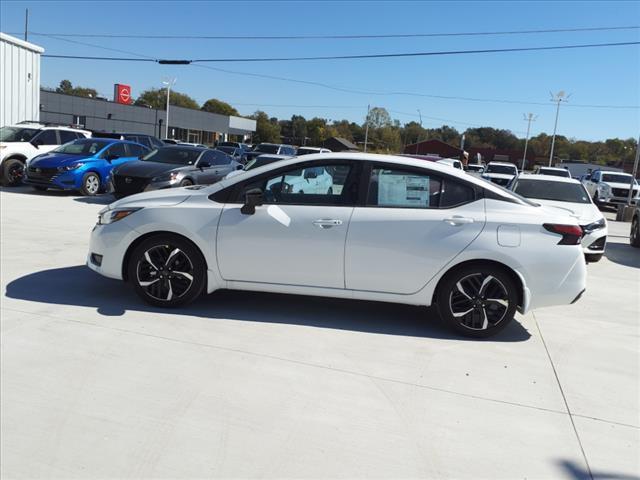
{"points": [[252, 199], [204, 164], [310, 174]]}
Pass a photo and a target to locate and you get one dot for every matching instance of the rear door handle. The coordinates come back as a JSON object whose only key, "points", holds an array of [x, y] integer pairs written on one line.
{"points": [[327, 223], [457, 220]]}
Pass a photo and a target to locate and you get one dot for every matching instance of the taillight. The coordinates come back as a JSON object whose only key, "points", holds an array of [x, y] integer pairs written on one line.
{"points": [[571, 234]]}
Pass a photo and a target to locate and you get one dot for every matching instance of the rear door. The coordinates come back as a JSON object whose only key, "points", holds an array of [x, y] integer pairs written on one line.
{"points": [[412, 224], [294, 238]]}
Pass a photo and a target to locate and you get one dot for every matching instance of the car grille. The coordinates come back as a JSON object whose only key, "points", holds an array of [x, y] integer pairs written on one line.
{"points": [[620, 192], [44, 175], [126, 185]]}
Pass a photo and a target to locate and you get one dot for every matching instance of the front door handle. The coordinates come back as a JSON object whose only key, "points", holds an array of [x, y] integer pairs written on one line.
{"points": [[327, 223], [457, 220]]}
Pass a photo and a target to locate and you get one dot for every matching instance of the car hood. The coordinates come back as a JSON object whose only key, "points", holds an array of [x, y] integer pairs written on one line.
{"points": [[499, 175], [584, 212], [146, 169], [48, 160], [154, 198]]}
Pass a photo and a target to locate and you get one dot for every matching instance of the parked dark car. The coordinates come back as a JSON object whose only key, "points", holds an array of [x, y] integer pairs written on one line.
{"points": [[172, 166], [148, 141], [233, 152]]}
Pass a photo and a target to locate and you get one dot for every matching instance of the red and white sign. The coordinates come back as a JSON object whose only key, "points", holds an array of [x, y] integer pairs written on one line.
{"points": [[122, 94]]}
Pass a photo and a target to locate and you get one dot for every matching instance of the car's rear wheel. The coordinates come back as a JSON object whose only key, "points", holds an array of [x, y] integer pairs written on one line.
{"points": [[477, 300], [634, 238], [167, 271], [12, 172], [90, 184], [593, 257]]}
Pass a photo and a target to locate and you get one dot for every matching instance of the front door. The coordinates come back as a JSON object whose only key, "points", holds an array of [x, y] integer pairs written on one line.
{"points": [[413, 224], [294, 238]]}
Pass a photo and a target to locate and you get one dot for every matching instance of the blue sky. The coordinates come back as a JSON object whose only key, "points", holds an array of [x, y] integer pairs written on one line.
{"points": [[604, 76]]}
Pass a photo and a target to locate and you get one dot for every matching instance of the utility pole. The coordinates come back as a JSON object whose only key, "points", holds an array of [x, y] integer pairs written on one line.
{"points": [[530, 118], [558, 98], [634, 173], [366, 130], [26, 24], [168, 82]]}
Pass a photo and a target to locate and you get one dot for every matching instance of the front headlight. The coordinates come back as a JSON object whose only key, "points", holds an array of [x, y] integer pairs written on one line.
{"points": [[68, 168], [604, 187], [168, 177], [110, 216], [592, 227]]}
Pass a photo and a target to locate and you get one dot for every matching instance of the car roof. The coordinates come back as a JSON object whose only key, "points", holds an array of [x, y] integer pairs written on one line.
{"points": [[507, 164], [374, 157], [547, 178], [557, 169]]}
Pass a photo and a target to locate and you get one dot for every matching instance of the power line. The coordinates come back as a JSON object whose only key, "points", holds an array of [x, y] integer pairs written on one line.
{"points": [[337, 37], [361, 56]]}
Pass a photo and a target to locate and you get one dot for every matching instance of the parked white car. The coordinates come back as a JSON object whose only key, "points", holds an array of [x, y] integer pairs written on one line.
{"points": [[310, 150], [475, 169], [610, 188], [552, 171], [21, 142], [500, 173], [388, 228], [569, 195]]}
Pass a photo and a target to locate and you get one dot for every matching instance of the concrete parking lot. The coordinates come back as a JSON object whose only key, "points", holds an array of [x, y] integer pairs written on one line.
{"points": [[96, 384]]}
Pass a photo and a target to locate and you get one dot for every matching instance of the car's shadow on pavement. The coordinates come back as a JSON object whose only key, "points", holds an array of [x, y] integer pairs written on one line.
{"points": [[623, 253], [100, 199], [80, 286]]}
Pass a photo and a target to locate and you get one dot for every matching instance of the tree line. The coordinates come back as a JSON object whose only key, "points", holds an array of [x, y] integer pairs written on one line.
{"points": [[387, 135]]}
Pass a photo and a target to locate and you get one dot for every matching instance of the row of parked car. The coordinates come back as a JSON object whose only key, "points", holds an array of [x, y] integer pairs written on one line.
{"points": [[68, 158]]}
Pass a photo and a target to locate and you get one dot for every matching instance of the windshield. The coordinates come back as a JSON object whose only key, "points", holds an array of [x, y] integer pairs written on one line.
{"points": [[173, 155], [267, 148], [555, 173], [82, 147], [508, 169], [259, 162], [17, 134], [550, 190], [617, 178], [475, 168], [229, 150]]}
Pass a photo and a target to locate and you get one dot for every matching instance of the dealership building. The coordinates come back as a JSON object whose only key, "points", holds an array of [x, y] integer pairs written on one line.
{"points": [[23, 99]]}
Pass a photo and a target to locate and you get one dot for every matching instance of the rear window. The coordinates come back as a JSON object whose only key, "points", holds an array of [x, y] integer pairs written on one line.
{"points": [[550, 190]]}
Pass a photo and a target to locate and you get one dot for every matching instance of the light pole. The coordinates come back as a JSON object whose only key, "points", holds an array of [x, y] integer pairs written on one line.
{"points": [[168, 82], [530, 118], [366, 130], [419, 134], [558, 98]]}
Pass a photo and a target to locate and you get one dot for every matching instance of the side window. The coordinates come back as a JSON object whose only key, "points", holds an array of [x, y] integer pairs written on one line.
{"points": [[206, 157], [155, 143], [455, 193], [116, 150], [66, 136], [145, 141], [304, 186], [136, 150], [47, 137], [219, 158], [398, 188]]}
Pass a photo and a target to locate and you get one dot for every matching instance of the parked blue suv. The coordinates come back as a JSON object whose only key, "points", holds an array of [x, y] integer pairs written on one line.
{"points": [[84, 165]]}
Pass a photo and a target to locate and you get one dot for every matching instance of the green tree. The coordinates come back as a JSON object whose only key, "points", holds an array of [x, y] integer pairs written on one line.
{"points": [[67, 87], [266, 130], [157, 98], [378, 117], [213, 105]]}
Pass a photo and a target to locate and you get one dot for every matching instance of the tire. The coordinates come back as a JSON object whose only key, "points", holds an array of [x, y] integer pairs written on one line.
{"points": [[90, 184], [171, 289], [186, 183], [39, 188], [593, 257], [634, 237], [467, 309], [12, 172]]}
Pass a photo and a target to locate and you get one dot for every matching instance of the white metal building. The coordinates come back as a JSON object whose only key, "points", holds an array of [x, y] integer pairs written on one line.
{"points": [[19, 80]]}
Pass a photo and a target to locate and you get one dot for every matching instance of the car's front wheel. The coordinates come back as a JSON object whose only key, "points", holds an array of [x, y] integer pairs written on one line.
{"points": [[477, 300], [186, 183], [90, 184], [167, 271], [634, 238], [12, 172]]}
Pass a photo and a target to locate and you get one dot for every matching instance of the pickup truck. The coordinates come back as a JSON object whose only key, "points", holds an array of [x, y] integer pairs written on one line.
{"points": [[610, 188]]}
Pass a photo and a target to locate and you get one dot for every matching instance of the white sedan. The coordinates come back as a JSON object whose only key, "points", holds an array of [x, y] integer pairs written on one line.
{"points": [[388, 228], [570, 195]]}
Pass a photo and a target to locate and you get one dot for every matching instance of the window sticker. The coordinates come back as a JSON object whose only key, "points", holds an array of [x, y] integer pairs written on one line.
{"points": [[402, 190]]}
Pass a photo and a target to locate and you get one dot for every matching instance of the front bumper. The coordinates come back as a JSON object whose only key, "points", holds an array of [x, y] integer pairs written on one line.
{"points": [[55, 179], [616, 201], [108, 246], [595, 241]]}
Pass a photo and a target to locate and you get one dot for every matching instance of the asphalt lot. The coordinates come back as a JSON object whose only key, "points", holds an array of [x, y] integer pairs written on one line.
{"points": [[95, 384]]}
